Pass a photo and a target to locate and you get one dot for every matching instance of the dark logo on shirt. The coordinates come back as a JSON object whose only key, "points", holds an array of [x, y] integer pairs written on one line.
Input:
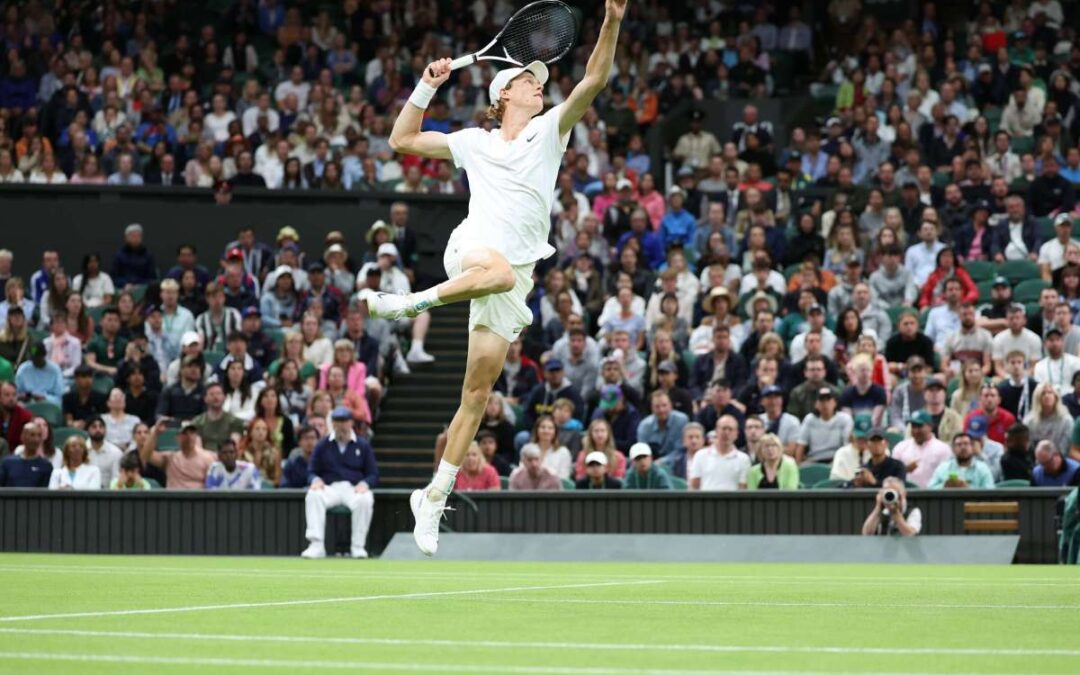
{"points": [[529, 139]]}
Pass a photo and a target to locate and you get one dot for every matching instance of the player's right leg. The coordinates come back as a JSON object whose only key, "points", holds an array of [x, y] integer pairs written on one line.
{"points": [[484, 271]]}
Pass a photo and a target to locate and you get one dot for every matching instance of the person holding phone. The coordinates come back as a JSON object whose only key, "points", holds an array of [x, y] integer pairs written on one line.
{"points": [[881, 466]]}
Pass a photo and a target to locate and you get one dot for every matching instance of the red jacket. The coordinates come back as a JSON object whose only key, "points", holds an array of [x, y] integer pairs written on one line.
{"points": [[13, 426], [929, 297]]}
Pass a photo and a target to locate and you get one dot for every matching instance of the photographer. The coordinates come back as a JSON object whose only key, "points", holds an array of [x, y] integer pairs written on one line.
{"points": [[891, 514]]}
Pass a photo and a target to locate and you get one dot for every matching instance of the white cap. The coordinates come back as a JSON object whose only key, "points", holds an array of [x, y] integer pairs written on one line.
{"points": [[623, 183], [640, 450], [190, 338], [596, 456], [282, 269], [388, 249], [676, 190], [502, 78]]}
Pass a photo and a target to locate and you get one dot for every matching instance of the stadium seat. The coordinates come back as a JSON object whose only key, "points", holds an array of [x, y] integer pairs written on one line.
{"points": [[103, 383], [1013, 483], [985, 289], [167, 440], [154, 485], [266, 485], [894, 312], [50, 411], [980, 270], [912, 486], [95, 313], [213, 357], [1029, 290], [1018, 270], [504, 482], [677, 483], [1046, 228], [812, 474], [61, 434], [138, 292], [894, 437], [1020, 144], [831, 483], [568, 484]]}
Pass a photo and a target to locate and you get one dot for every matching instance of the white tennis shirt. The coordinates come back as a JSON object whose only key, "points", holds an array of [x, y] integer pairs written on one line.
{"points": [[512, 186]]}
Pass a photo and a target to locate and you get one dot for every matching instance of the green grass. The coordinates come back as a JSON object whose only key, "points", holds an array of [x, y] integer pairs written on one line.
{"points": [[62, 614]]}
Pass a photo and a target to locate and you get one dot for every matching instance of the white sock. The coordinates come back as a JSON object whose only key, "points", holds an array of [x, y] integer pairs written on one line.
{"points": [[445, 477], [417, 346], [426, 299]]}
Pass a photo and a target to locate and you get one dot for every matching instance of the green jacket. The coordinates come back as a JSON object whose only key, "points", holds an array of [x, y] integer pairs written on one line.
{"points": [[787, 476], [656, 479]]}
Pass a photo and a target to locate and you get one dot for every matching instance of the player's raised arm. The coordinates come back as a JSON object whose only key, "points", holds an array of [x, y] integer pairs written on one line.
{"points": [[406, 136], [597, 70]]}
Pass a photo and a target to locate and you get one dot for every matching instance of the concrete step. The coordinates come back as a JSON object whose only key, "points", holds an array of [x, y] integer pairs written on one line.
{"points": [[403, 482], [422, 442], [414, 427]]}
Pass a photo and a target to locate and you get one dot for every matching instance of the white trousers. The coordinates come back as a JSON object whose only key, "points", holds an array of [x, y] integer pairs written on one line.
{"points": [[341, 493]]}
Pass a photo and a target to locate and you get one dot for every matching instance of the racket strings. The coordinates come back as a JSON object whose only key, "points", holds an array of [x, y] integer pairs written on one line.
{"points": [[541, 33]]}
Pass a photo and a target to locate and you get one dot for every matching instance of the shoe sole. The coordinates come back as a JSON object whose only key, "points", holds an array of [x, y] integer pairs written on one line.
{"points": [[414, 506]]}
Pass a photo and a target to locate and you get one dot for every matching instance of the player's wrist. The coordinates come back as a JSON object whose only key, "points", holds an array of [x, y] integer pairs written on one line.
{"points": [[422, 94]]}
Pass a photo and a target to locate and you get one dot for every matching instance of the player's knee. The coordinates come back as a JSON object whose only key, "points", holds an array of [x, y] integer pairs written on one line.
{"points": [[475, 397]]}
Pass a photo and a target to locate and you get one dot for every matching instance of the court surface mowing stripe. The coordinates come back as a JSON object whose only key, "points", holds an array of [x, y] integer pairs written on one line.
{"points": [[288, 615]]}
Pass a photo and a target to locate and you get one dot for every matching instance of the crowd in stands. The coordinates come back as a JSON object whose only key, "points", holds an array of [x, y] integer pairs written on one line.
{"points": [[893, 292]]}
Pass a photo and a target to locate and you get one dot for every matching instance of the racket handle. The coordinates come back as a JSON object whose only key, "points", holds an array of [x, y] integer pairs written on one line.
{"points": [[463, 61]]}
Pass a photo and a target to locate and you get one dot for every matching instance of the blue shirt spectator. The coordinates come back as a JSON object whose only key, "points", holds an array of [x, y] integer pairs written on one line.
{"points": [[39, 378], [662, 430], [678, 225], [651, 244], [20, 472], [1054, 469]]}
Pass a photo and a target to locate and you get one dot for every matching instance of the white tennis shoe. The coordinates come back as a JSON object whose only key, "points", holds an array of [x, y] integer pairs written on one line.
{"points": [[389, 306], [428, 514], [314, 551]]}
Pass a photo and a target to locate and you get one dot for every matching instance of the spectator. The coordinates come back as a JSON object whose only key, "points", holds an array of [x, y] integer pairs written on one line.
{"points": [[82, 402], [894, 517], [343, 472], [130, 477], [1017, 461], [101, 452], [64, 349], [645, 475], [185, 469], [1053, 468], [76, 471], [880, 467], [294, 473], [597, 477], [963, 470], [1058, 367], [695, 147], [229, 473], [776, 470], [720, 466], [476, 473], [862, 395], [532, 474], [803, 398], [39, 379], [908, 342], [621, 415], [921, 258], [119, 424], [922, 452], [823, 431], [1017, 237], [662, 430], [106, 349], [214, 424], [849, 457], [27, 469], [183, 401], [553, 455], [1049, 419], [133, 264]]}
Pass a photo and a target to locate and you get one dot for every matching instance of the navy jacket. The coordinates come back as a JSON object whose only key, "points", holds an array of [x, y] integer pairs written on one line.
{"points": [[1000, 239], [355, 464], [542, 398], [623, 427], [16, 472], [133, 266], [295, 473]]}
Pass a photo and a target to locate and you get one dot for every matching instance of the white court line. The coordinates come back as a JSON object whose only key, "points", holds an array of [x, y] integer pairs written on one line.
{"points": [[360, 571], [766, 603], [309, 665], [320, 601], [499, 644]]}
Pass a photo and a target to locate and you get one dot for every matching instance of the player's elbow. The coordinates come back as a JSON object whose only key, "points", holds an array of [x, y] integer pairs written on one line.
{"points": [[395, 143]]}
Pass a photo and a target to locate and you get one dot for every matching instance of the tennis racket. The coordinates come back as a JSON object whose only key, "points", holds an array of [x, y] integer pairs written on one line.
{"points": [[540, 31]]}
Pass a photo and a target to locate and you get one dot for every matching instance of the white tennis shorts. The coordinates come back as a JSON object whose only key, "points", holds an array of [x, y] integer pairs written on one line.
{"points": [[504, 314]]}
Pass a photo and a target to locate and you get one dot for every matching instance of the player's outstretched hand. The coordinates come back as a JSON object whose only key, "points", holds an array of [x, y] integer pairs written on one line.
{"points": [[437, 72], [615, 9]]}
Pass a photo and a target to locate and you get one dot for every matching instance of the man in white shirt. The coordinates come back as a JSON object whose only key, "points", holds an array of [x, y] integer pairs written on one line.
{"points": [[944, 320], [921, 258], [176, 320], [815, 322], [1018, 337], [1052, 253], [1004, 163], [720, 466], [1058, 367], [101, 453], [296, 86], [252, 114]]}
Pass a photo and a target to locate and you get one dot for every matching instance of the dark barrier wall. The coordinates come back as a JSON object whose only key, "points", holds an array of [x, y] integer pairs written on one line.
{"points": [[78, 219], [272, 522]]}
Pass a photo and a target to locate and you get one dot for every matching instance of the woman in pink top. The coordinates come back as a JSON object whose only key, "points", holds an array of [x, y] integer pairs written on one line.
{"points": [[651, 200], [355, 374], [606, 198], [476, 473], [600, 438]]}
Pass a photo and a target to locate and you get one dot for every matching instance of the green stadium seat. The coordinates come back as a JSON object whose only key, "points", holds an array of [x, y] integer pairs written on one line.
{"points": [[1018, 270], [504, 482], [1013, 483], [677, 483], [894, 312], [167, 440], [154, 485], [138, 293], [38, 335], [213, 357], [894, 437], [985, 290], [812, 474], [266, 485], [792, 270], [1046, 228], [980, 270], [912, 486], [340, 510], [95, 313], [1021, 144], [103, 383], [829, 484], [50, 411], [1028, 290], [1032, 309], [568, 484], [61, 434]]}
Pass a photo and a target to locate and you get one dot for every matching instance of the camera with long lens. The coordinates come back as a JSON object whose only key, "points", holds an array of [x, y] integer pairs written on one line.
{"points": [[890, 497]]}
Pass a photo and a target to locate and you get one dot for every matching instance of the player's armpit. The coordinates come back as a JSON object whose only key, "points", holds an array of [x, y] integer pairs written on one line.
{"points": [[423, 143]]}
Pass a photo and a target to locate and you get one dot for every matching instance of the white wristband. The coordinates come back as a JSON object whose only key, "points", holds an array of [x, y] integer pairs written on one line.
{"points": [[422, 94]]}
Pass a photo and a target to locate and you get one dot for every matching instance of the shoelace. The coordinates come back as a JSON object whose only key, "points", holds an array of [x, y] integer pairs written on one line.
{"points": [[441, 511]]}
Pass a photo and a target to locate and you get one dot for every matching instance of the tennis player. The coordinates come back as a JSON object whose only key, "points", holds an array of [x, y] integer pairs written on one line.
{"points": [[490, 256]]}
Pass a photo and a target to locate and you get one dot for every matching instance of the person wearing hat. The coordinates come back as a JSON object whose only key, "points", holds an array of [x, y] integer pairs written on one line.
{"points": [[993, 315], [39, 379], [990, 451], [944, 421], [596, 474], [184, 400], [532, 475], [281, 300], [972, 240], [823, 431], [290, 257], [644, 474], [394, 281], [853, 454], [1052, 253], [621, 415], [696, 146], [320, 289], [678, 225], [541, 400], [776, 421], [343, 472], [878, 466], [81, 402], [667, 376], [378, 234], [133, 264], [339, 270], [815, 323], [186, 468], [922, 452], [491, 255]]}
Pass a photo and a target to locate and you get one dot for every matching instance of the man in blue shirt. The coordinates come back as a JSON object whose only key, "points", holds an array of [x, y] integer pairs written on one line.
{"points": [[342, 471], [30, 470], [40, 379], [678, 224], [1053, 468], [662, 430]]}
